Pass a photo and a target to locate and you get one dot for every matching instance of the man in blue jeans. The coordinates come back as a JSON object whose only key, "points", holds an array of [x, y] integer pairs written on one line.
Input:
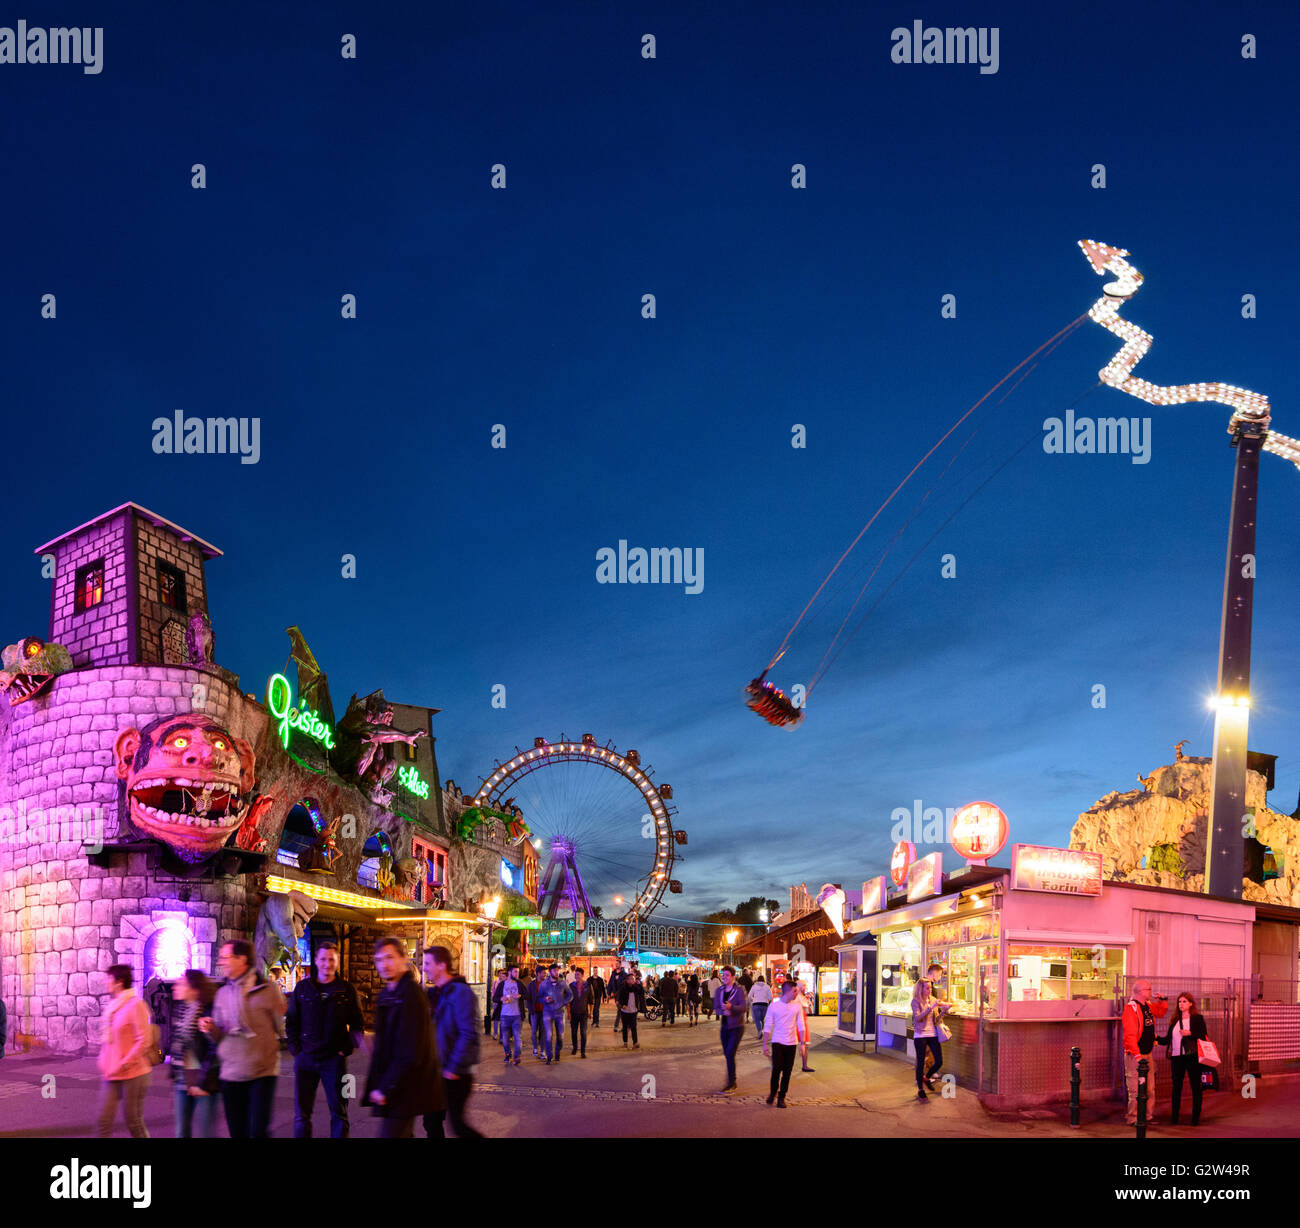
{"points": [[553, 995], [729, 1006], [324, 1025]]}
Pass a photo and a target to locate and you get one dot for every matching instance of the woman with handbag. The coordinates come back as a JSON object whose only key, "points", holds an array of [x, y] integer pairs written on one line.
{"points": [[125, 1058], [193, 1056], [926, 1012], [1184, 1038]]}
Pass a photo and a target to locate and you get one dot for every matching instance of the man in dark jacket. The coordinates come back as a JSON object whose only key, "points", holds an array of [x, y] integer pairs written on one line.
{"points": [[324, 1025], [404, 1081], [668, 997], [579, 1007], [454, 1010], [597, 997]]}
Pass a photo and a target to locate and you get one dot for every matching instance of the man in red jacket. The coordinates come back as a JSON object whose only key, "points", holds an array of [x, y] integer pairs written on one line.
{"points": [[1139, 1020]]}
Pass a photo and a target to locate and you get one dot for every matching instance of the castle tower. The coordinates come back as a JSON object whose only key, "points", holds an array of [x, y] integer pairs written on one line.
{"points": [[125, 586]]}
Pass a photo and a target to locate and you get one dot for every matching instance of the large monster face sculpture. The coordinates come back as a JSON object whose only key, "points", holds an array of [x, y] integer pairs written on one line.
{"points": [[186, 781], [30, 666]]}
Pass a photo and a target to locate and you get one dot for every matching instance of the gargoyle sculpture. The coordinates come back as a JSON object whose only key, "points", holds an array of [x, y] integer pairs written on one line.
{"points": [[280, 923], [30, 666], [188, 782], [200, 642]]}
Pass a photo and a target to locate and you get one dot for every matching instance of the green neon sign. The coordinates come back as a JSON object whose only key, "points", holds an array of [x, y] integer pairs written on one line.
{"points": [[525, 923], [279, 698], [412, 780]]}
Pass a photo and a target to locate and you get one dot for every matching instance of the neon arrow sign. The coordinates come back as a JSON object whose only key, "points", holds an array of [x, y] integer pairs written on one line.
{"points": [[279, 698]]}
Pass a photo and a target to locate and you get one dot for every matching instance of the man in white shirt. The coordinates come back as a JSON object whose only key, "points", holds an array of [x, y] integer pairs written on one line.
{"points": [[786, 1029]]}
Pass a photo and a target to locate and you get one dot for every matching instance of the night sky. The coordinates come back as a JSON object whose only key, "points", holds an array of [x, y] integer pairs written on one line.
{"points": [[523, 307]]}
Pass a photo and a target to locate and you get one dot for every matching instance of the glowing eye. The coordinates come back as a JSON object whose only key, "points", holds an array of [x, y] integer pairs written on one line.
{"points": [[220, 743], [180, 741]]}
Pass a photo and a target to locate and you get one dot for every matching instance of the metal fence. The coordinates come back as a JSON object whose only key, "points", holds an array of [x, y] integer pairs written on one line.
{"points": [[1272, 1027], [1221, 1002]]}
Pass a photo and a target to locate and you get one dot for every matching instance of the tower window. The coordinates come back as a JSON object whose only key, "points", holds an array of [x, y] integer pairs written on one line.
{"points": [[90, 585], [171, 587]]}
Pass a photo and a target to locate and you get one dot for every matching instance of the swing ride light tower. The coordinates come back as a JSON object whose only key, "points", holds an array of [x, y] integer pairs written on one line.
{"points": [[1249, 429]]}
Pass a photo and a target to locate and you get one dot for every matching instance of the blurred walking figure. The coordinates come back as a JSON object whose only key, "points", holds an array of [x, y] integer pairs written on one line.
{"points": [[801, 997], [193, 1057], [579, 1006], [246, 1022], [785, 1027], [729, 1005], [533, 1009], [124, 1055], [760, 998], [456, 1031], [511, 1003], [403, 1081], [496, 1004], [668, 996], [693, 997], [597, 996]]}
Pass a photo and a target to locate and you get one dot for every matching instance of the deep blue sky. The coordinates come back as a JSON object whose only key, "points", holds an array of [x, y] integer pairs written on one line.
{"points": [[477, 566]]}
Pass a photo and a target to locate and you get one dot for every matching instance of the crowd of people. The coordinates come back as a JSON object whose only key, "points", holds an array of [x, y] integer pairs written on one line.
{"points": [[225, 1037]]}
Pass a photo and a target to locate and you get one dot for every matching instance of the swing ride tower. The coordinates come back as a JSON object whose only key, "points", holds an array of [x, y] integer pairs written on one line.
{"points": [[1229, 822]]}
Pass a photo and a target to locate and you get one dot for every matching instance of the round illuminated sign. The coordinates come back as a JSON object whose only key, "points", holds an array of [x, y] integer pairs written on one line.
{"points": [[900, 860], [979, 830]]}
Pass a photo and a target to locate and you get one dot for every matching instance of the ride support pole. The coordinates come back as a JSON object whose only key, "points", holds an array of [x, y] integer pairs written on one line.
{"points": [[1075, 1056], [1142, 1067]]}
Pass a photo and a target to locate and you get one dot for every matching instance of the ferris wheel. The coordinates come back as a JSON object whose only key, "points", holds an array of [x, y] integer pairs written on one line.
{"points": [[605, 830]]}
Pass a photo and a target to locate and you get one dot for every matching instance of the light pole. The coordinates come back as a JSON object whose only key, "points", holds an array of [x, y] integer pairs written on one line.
{"points": [[490, 910], [732, 935], [591, 950]]}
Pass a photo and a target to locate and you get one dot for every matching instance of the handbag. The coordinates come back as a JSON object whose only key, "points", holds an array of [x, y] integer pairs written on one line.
{"points": [[1210, 1078], [943, 1031], [1206, 1053]]}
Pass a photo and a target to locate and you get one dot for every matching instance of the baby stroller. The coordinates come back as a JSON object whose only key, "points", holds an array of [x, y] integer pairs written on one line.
{"points": [[653, 1007]]}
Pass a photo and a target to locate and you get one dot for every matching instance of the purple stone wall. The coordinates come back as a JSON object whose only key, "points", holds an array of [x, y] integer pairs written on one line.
{"points": [[64, 921]]}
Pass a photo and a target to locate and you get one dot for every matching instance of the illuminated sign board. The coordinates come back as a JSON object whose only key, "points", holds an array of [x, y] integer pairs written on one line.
{"points": [[279, 700], [899, 860], [874, 895], [925, 877], [562, 932], [979, 830], [412, 781], [525, 923], [1059, 871]]}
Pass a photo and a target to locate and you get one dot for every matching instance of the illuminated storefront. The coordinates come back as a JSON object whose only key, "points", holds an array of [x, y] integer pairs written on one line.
{"points": [[1036, 959]]}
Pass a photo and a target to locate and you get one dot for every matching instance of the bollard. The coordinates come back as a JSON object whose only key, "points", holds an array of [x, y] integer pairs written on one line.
{"points": [[1075, 1056], [1142, 1067]]}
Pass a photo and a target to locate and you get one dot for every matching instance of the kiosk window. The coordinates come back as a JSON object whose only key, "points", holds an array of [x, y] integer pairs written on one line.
{"points": [[900, 968], [1049, 974]]}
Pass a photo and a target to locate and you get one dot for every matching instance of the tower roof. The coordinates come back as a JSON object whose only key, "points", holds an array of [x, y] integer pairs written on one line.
{"points": [[159, 522]]}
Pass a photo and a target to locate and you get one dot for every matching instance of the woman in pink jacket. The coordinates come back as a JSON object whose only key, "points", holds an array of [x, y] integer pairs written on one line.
{"points": [[122, 1057]]}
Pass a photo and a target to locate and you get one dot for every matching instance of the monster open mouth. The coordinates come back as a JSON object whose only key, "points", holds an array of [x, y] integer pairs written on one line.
{"points": [[21, 687], [181, 802]]}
